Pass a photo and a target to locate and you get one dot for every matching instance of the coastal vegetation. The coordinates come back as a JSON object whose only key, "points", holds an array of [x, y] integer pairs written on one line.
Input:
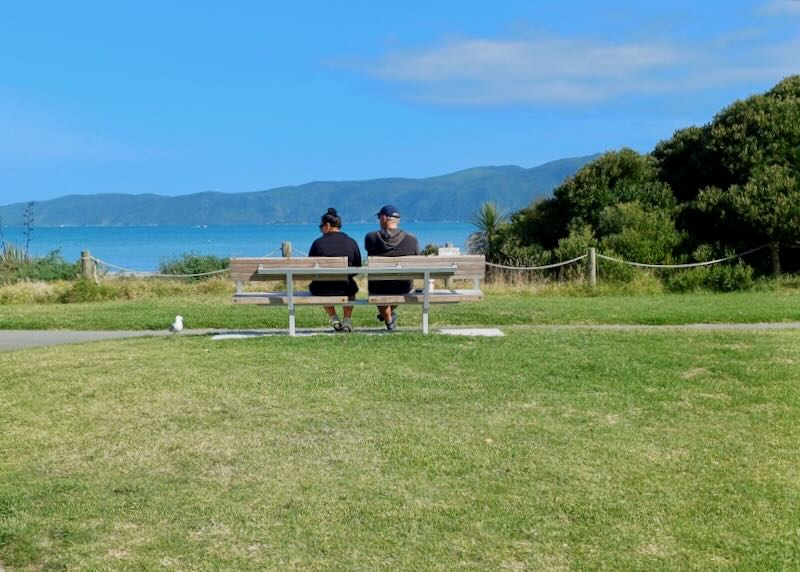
{"points": [[706, 193], [17, 264], [194, 265]]}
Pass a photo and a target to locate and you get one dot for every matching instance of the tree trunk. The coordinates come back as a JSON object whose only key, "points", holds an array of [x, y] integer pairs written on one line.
{"points": [[774, 250]]}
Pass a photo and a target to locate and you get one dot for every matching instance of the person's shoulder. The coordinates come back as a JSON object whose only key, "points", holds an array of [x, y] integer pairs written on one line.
{"points": [[346, 238]]}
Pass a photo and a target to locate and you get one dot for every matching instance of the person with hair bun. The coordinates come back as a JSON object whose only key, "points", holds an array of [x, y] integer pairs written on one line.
{"points": [[334, 242]]}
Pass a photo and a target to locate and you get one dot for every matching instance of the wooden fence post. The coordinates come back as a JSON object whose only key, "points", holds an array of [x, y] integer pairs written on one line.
{"points": [[286, 249], [86, 265], [592, 268]]}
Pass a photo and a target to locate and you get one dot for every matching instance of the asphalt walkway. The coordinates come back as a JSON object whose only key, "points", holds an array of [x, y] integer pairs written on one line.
{"points": [[21, 339]]}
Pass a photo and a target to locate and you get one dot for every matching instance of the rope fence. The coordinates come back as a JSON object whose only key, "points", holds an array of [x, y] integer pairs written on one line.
{"points": [[156, 274], [631, 263], [545, 267], [90, 263], [687, 265]]}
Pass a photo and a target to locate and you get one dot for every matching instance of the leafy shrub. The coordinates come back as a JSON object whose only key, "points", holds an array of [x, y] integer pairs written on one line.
{"points": [[48, 268], [513, 253], [686, 280], [576, 244], [15, 267], [729, 278], [637, 234], [429, 249], [87, 291], [611, 271], [719, 277], [194, 263]]}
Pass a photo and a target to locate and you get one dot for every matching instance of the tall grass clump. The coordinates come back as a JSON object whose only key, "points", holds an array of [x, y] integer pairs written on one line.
{"points": [[528, 283], [16, 265], [127, 288], [718, 278], [193, 263], [38, 292]]}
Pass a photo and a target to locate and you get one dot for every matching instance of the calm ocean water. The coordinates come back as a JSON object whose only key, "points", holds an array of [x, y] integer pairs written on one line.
{"points": [[143, 248]]}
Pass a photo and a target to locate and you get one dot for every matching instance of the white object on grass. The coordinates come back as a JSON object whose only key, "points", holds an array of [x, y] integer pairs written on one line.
{"points": [[177, 325], [487, 332]]}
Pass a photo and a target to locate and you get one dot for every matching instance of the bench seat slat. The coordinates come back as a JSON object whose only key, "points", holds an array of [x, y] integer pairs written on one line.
{"points": [[282, 298], [468, 265], [307, 278], [246, 269], [434, 276], [435, 297]]}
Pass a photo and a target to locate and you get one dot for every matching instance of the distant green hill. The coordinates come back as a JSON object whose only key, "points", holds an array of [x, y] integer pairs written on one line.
{"points": [[453, 197]]}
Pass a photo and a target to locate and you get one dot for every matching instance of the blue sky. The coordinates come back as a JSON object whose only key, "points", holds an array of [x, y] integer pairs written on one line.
{"points": [[181, 97]]}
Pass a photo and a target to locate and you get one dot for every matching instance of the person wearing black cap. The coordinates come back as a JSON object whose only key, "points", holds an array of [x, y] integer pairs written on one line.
{"points": [[390, 241], [334, 242]]}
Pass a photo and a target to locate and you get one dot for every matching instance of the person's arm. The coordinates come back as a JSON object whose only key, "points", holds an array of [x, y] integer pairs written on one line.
{"points": [[313, 251], [356, 254], [415, 243]]}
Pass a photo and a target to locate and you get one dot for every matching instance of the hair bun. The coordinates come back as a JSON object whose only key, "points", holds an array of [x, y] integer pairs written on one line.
{"points": [[332, 211]]}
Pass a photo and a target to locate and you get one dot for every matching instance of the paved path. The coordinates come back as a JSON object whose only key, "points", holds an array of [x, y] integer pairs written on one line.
{"points": [[19, 339]]}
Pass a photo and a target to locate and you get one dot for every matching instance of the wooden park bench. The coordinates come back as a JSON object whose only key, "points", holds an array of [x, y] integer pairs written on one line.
{"points": [[429, 269]]}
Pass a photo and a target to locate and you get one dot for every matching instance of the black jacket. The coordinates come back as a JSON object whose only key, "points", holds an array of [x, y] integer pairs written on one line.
{"points": [[391, 242], [335, 244]]}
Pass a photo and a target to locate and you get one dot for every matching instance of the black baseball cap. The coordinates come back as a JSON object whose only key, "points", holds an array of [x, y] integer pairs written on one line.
{"points": [[389, 210]]}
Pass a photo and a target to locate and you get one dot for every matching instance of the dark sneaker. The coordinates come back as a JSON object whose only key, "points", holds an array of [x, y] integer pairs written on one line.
{"points": [[347, 326], [379, 317], [391, 325], [336, 323]]}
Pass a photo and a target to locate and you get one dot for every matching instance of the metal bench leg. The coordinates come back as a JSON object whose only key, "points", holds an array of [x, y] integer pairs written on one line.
{"points": [[290, 293], [426, 302]]}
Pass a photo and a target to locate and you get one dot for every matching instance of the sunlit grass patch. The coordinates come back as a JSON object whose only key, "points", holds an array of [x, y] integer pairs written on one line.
{"points": [[540, 450]]}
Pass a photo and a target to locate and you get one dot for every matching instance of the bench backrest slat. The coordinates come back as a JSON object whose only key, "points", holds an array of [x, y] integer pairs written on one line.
{"points": [[470, 266], [246, 269]]}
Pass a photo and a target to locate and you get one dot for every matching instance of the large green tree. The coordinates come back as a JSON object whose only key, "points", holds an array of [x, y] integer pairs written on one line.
{"points": [[758, 132], [688, 163], [766, 207], [724, 185], [542, 223], [616, 177], [756, 142]]}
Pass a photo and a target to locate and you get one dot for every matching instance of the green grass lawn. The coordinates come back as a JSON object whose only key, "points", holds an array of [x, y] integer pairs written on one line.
{"points": [[498, 309], [543, 450]]}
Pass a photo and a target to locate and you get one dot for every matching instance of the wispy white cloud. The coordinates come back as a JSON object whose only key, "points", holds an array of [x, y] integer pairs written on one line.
{"points": [[481, 71]]}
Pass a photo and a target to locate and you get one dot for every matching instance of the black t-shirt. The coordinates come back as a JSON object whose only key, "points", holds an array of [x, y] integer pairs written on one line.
{"points": [[391, 242], [335, 244]]}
